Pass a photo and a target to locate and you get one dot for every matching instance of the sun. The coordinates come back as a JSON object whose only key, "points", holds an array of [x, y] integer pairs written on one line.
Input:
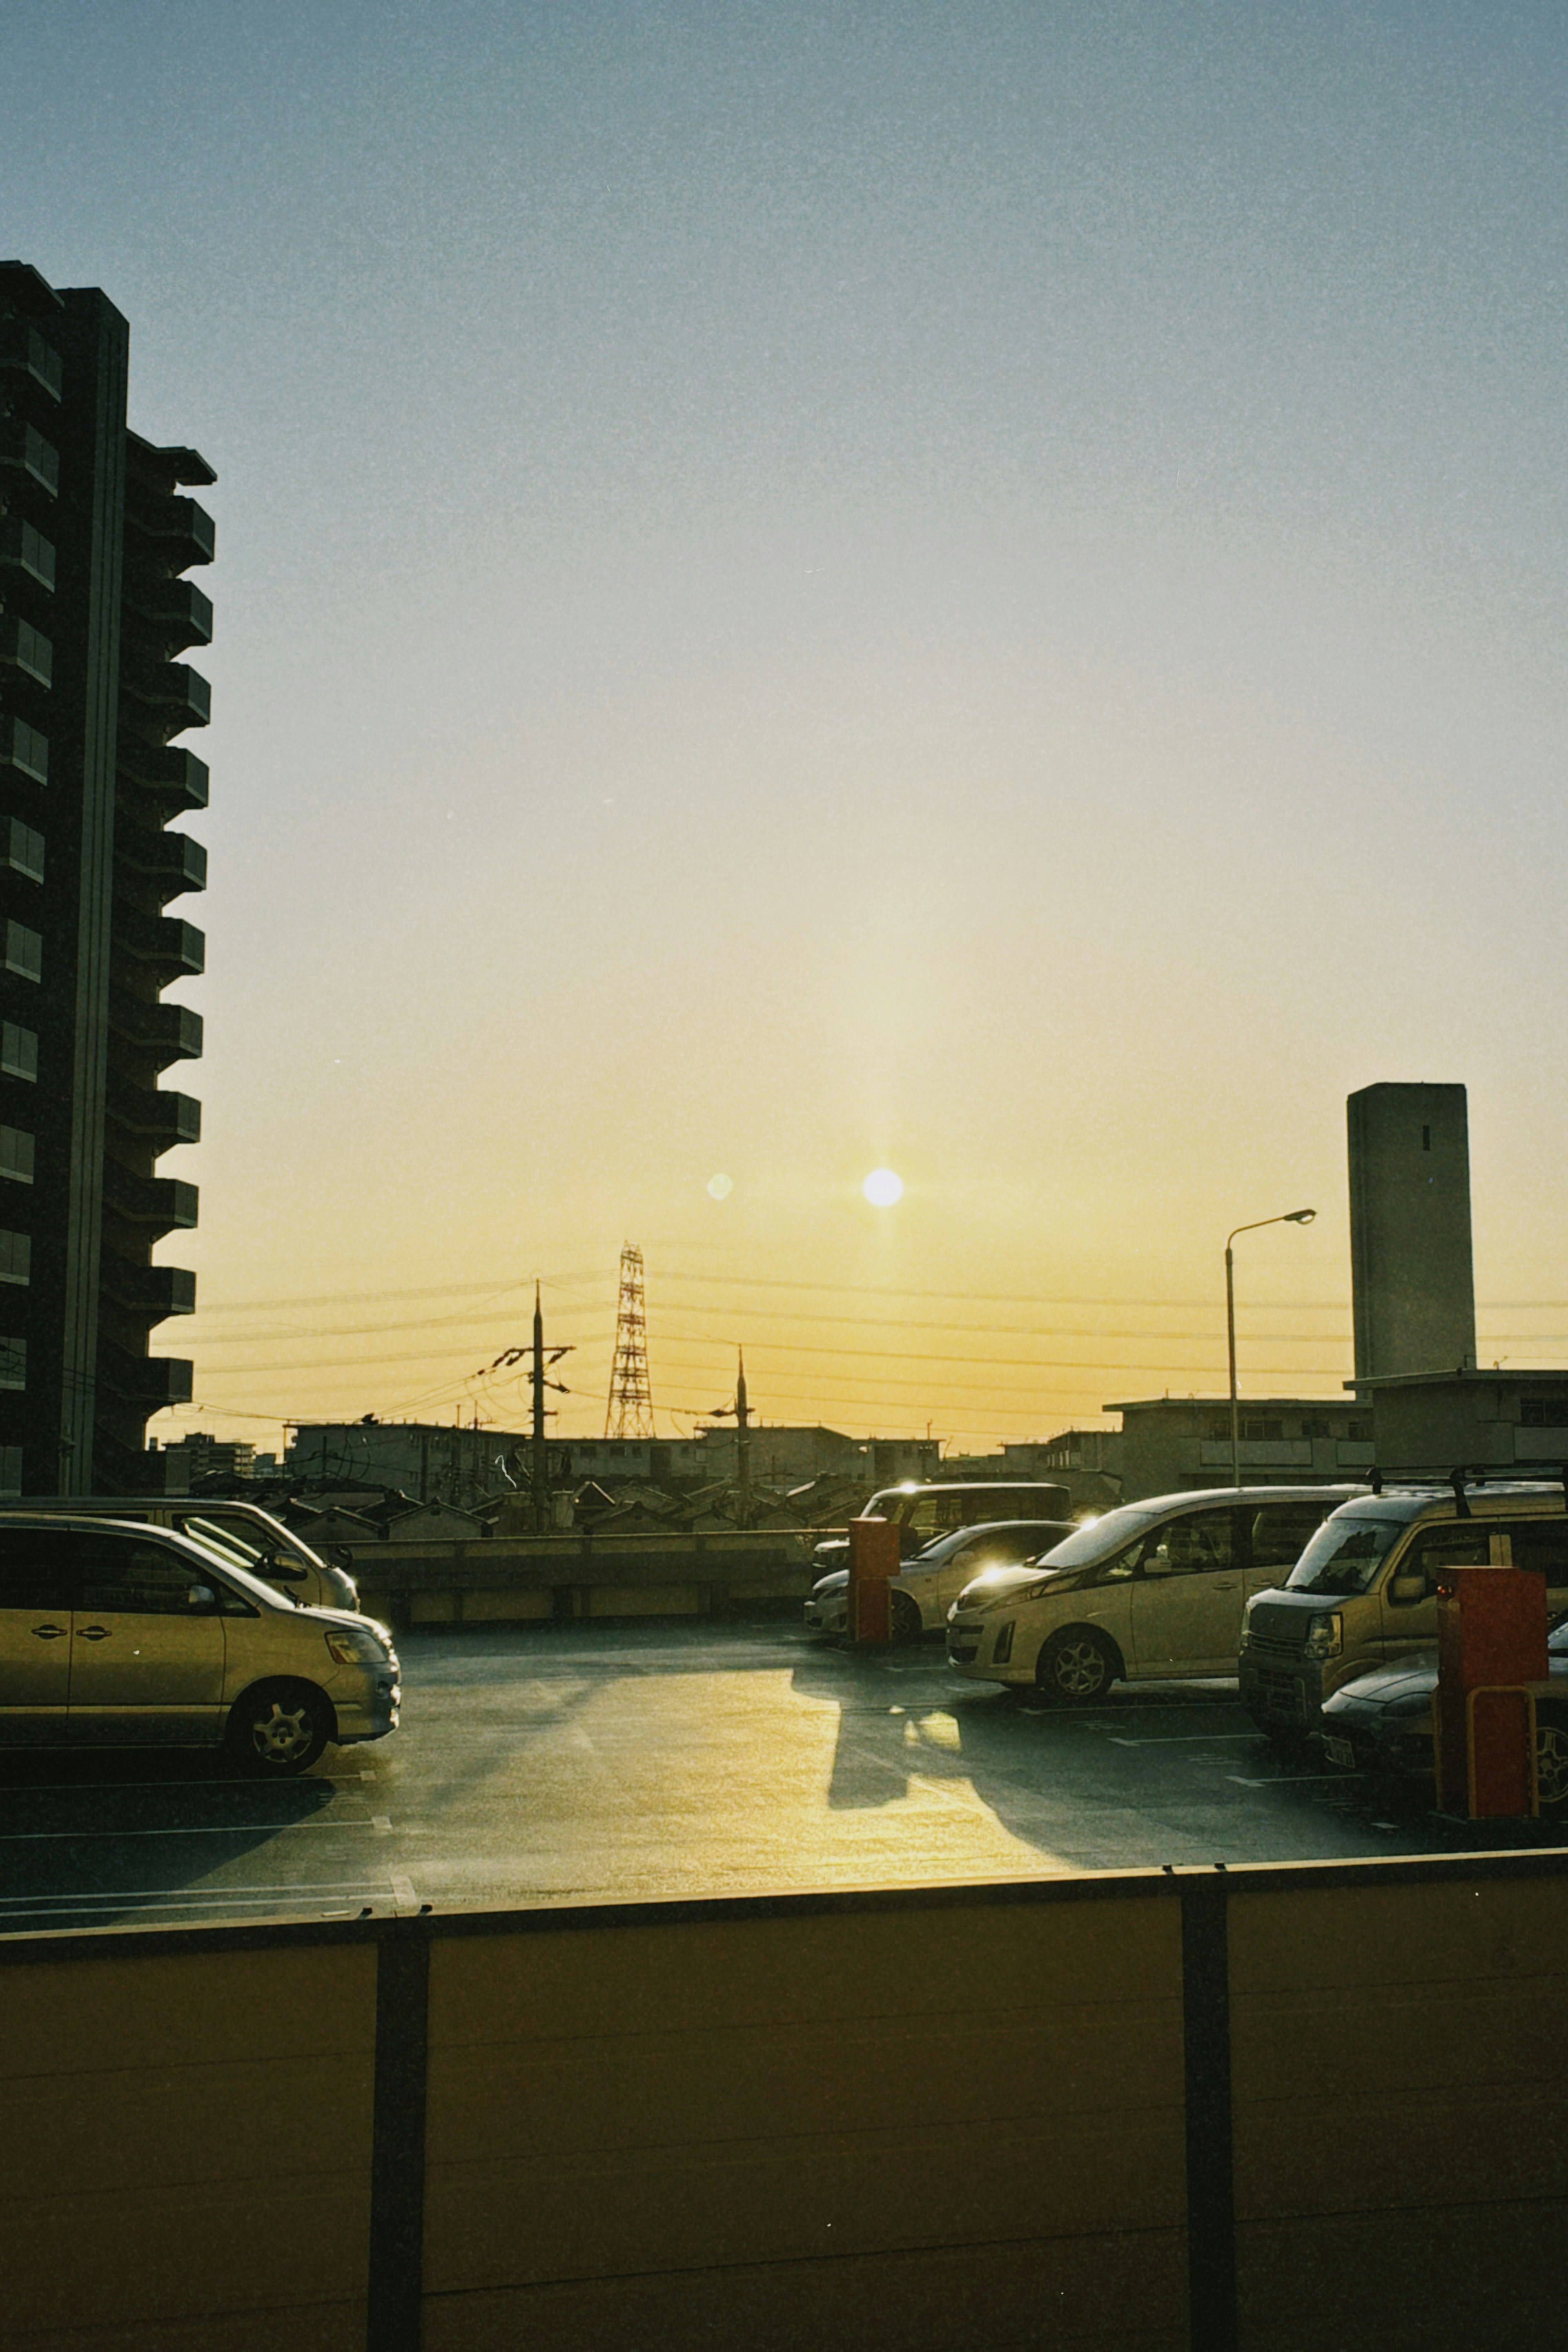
{"points": [[883, 1188]]}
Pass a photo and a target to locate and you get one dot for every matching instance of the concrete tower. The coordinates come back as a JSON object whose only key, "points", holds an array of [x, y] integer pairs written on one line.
{"points": [[1411, 1276]]}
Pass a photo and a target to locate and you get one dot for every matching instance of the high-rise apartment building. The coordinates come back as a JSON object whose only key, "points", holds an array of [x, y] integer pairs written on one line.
{"points": [[1412, 1281], [96, 536]]}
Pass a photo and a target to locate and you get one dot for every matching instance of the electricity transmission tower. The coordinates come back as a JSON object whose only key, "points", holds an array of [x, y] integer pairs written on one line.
{"points": [[630, 1412]]}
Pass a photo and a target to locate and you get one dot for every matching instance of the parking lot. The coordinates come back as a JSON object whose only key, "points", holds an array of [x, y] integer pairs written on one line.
{"points": [[631, 1760]]}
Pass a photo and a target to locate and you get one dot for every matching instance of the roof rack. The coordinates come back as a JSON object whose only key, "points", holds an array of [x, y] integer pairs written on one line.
{"points": [[1478, 1475]]}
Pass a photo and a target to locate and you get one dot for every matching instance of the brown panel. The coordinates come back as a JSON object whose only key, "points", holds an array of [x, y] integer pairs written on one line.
{"points": [[1130, 2290], [1480, 2280], [770, 2087], [325, 2327], [1394, 1933], [188, 2137]]}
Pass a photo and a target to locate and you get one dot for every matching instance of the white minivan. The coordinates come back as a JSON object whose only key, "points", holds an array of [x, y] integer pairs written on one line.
{"points": [[1154, 1591], [240, 1533]]}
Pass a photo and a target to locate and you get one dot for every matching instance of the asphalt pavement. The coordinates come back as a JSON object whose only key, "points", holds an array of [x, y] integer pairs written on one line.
{"points": [[623, 1761]]}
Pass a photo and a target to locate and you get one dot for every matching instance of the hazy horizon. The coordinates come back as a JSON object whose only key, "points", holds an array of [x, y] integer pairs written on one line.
{"points": [[816, 587]]}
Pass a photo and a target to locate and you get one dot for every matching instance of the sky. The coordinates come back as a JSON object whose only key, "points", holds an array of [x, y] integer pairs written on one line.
{"points": [[804, 587]]}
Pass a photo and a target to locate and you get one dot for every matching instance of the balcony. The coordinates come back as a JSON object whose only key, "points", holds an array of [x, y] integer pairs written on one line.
{"points": [[173, 778], [175, 696], [154, 1114], [23, 352], [165, 1032], [163, 1202], [26, 648], [23, 451], [172, 950], [175, 612], [154, 1290], [172, 860], [1258, 1452], [26, 553], [152, 1382], [177, 533], [24, 751]]}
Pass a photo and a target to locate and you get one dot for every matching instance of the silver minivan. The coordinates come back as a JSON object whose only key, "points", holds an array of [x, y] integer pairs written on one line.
{"points": [[241, 1533], [1153, 1591], [1364, 1593], [118, 1636]]}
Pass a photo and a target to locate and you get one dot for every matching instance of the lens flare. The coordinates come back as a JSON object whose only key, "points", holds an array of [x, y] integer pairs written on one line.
{"points": [[721, 1187], [882, 1188]]}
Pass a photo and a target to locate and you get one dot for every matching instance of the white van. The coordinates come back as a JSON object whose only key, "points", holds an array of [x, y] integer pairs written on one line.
{"points": [[1151, 1591], [240, 1533]]}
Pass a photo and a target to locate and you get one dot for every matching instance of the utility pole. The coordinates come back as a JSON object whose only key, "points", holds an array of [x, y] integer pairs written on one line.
{"points": [[539, 1361], [741, 1413]]}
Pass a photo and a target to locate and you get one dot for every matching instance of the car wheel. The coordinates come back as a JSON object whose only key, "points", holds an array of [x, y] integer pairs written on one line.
{"points": [[907, 1623], [1552, 1766], [278, 1728], [1075, 1667]]}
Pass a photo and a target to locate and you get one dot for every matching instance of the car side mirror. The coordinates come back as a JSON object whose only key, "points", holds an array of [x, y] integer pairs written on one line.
{"points": [[1158, 1563], [201, 1596], [1406, 1591]]}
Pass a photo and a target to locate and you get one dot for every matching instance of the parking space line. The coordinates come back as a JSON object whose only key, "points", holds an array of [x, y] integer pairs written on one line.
{"points": [[1182, 1738], [238, 1829]]}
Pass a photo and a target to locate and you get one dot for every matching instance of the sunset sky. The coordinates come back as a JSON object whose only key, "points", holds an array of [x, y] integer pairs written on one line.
{"points": [[805, 587]]}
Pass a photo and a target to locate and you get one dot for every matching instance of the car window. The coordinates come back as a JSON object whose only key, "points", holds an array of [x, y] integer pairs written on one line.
{"points": [[1541, 1546], [36, 1569], [1196, 1544], [1282, 1532], [1443, 1548], [121, 1575], [1345, 1556]]}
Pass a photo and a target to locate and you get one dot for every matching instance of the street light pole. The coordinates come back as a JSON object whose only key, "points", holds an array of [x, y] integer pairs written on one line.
{"points": [[1290, 1217]]}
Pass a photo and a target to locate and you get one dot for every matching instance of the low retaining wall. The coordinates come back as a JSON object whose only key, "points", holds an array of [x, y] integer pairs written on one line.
{"points": [[522, 1579], [1271, 2110]]}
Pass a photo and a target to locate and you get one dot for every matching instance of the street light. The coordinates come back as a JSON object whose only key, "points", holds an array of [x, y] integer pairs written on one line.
{"points": [[1291, 1217]]}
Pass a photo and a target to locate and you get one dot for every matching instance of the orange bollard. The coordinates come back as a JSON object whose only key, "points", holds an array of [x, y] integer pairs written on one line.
{"points": [[875, 1555], [1491, 1647]]}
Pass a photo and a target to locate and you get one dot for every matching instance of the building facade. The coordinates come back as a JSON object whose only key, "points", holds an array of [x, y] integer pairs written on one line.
{"points": [[96, 537], [1439, 1421], [1171, 1443], [1412, 1284], [431, 1462]]}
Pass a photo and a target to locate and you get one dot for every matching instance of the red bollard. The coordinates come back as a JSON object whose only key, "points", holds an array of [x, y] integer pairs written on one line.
{"points": [[875, 1555], [1491, 1647]]}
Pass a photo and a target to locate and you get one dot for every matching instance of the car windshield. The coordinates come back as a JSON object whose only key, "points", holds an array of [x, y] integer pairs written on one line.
{"points": [[1345, 1556], [1100, 1536]]}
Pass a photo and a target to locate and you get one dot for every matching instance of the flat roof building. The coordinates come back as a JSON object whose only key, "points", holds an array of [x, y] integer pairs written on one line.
{"points": [[1412, 1281]]}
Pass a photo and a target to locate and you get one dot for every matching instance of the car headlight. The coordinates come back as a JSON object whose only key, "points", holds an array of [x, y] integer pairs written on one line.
{"points": [[1325, 1635], [350, 1647]]}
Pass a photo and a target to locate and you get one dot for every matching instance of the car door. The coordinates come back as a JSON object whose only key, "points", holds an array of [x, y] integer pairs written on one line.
{"points": [[36, 1595], [147, 1656], [1187, 1595], [1407, 1597]]}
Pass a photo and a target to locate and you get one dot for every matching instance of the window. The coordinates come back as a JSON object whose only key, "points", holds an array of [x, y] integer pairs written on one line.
{"points": [[1358, 1429], [124, 1574], [1445, 1547], [1548, 1411], [1194, 1545], [1261, 1429], [25, 850], [15, 1257], [16, 1155], [36, 1566], [1316, 1425], [1282, 1532], [24, 951], [13, 1364], [1542, 1547], [18, 1051], [10, 1471], [22, 748]]}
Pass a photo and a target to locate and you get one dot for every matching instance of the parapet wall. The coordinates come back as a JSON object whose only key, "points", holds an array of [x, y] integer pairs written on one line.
{"points": [[1279, 2109]]}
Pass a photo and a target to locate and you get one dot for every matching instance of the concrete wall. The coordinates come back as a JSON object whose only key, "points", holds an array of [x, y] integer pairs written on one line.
{"points": [[1412, 1281], [1268, 2110]]}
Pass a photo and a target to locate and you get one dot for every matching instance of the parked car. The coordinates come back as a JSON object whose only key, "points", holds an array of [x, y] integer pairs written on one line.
{"points": [[920, 1513], [1382, 1724], [926, 1585], [1153, 1591], [1364, 1593], [241, 1533], [114, 1634]]}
